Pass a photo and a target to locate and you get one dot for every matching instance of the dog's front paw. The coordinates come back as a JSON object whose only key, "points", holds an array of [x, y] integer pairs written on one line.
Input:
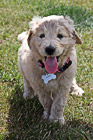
{"points": [[27, 95], [60, 120], [77, 91], [45, 115]]}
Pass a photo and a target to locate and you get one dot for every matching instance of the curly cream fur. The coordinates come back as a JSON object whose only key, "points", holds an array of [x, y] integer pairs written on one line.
{"points": [[53, 96]]}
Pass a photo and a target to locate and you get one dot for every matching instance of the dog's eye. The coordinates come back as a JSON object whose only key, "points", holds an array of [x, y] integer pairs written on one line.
{"points": [[60, 36], [42, 35]]}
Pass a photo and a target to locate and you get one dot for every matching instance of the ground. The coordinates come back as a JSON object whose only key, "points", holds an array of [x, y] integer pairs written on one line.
{"points": [[22, 119]]}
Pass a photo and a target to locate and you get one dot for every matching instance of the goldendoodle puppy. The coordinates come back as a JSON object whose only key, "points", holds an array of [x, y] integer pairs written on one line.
{"points": [[47, 60]]}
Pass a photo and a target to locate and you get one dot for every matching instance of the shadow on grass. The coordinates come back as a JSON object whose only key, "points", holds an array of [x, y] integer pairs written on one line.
{"points": [[25, 122]]}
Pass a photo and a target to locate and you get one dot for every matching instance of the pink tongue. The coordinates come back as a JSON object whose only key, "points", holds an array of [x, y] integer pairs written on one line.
{"points": [[51, 64]]}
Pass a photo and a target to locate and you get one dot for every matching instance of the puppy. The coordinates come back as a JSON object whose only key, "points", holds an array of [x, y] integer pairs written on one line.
{"points": [[47, 60]]}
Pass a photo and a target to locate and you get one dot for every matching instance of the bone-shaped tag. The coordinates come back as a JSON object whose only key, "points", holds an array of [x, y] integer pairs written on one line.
{"points": [[48, 77]]}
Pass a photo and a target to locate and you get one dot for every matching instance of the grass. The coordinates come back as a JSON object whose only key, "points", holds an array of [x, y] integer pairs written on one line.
{"points": [[20, 119]]}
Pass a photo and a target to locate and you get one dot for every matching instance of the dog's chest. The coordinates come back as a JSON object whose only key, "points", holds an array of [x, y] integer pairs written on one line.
{"points": [[52, 85]]}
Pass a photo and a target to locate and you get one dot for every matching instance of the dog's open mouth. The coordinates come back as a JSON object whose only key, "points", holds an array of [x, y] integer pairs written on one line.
{"points": [[51, 64]]}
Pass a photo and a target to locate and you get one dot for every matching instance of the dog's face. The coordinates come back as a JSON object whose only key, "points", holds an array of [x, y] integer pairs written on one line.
{"points": [[52, 37]]}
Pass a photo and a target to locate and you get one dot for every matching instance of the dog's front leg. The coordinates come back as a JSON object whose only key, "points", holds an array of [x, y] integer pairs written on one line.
{"points": [[28, 91], [46, 102], [57, 107]]}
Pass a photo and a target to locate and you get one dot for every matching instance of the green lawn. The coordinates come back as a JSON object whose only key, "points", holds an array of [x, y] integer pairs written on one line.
{"points": [[22, 119]]}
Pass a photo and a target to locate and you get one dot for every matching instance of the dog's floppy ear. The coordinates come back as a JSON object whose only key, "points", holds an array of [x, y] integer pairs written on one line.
{"points": [[29, 39], [76, 37], [33, 25]]}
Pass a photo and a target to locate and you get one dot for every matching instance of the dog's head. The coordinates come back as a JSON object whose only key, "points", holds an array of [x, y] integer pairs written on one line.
{"points": [[52, 36]]}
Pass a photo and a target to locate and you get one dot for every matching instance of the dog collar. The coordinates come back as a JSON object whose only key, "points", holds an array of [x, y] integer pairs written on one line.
{"points": [[62, 69]]}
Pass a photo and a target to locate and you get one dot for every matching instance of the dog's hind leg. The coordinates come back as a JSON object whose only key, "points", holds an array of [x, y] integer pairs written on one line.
{"points": [[22, 36], [75, 89], [28, 91]]}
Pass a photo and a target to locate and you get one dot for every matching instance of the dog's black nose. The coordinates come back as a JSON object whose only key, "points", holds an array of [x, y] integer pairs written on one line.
{"points": [[50, 50]]}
